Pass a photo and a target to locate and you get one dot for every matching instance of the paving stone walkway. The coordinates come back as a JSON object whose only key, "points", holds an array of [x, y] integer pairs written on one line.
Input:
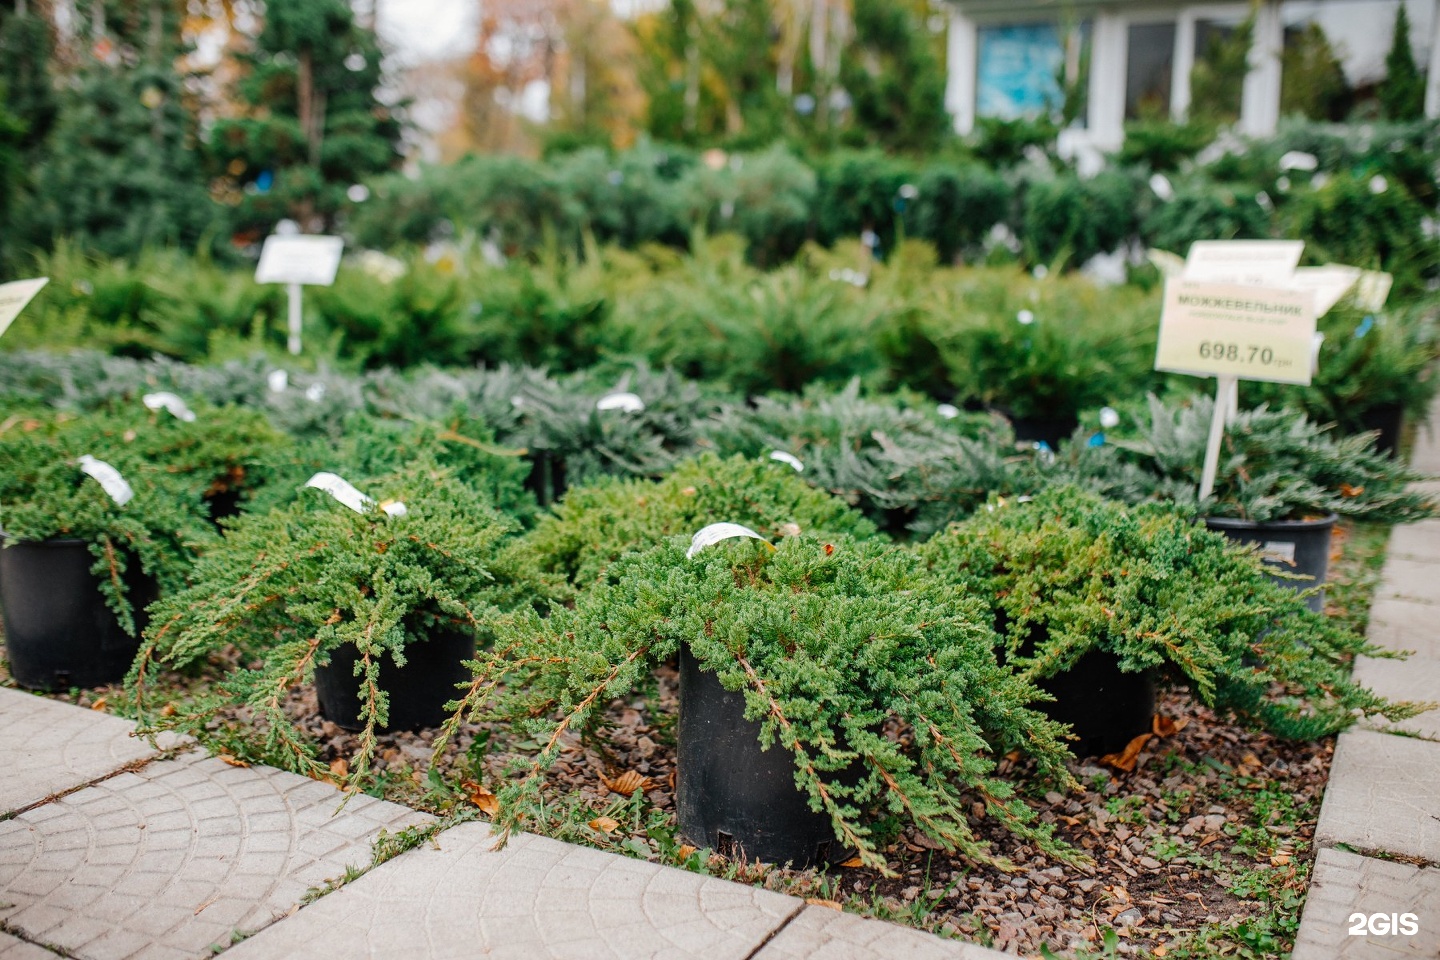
{"points": [[1379, 829], [111, 850]]}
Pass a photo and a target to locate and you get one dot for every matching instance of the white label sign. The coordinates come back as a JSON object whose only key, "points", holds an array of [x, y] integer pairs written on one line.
{"points": [[1330, 283], [345, 492], [716, 532], [1254, 333], [780, 456], [299, 259], [168, 401], [626, 401], [1266, 263], [14, 296], [109, 479], [1372, 290]]}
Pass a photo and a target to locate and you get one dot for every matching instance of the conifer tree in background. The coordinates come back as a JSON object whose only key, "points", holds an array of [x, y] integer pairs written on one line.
{"points": [[894, 79], [1402, 92], [25, 52], [119, 171], [312, 127]]}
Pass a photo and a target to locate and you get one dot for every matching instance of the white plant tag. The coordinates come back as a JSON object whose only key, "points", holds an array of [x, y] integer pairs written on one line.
{"points": [[345, 492], [1372, 290], [315, 392], [1278, 551], [14, 296], [716, 532], [168, 401], [109, 478], [948, 410], [788, 458], [278, 381], [625, 401]]}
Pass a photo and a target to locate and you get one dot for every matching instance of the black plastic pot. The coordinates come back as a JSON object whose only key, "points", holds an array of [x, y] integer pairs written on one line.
{"points": [[1294, 546], [547, 476], [1047, 430], [1105, 708], [59, 632], [418, 691], [1389, 420], [733, 797]]}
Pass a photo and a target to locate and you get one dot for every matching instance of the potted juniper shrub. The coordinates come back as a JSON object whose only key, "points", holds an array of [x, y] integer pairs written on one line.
{"points": [[1282, 482], [595, 525], [378, 607], [82, 560], [1095, 602], [898, 460], [829, 689]]}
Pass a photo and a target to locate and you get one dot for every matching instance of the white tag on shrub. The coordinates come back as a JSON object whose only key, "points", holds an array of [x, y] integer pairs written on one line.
{"points": [[345, 492], [278, 381], [109, 478], [716, 532], [168, 401], [948, 410], [790, 458], [1278, 551], [627, 402]]}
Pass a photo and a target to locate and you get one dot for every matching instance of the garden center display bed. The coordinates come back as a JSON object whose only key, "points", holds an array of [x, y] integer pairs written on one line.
{"points": [[1209, 810]]}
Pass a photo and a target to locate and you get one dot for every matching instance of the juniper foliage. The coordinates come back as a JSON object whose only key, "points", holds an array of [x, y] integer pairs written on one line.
{"points": [[1069, 573], [847, 653], [596, 525], [1274, 465], [288, 587], [44, 495]]}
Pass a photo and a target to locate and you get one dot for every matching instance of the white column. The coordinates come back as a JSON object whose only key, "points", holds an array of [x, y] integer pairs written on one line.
{"points": [[962, 45], [1260, 99], [1108, 55], [1184, 60], [1432, 74]]}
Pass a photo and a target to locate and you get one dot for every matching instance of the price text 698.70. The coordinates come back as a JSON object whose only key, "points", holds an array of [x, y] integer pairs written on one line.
{"points": [[1220, 350]]}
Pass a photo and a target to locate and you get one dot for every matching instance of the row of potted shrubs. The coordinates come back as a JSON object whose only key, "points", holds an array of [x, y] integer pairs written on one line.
{"points": [[1041, 349], [890, 675]]}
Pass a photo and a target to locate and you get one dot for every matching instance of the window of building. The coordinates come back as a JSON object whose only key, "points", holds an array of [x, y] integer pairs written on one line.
{"points": [[1148, 69], [1019, 68], [1334, 55]]}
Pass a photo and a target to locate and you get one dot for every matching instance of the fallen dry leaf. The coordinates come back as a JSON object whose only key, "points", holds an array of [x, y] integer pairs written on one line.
{"points": [[204, 905], [483, 799], [339, 768], [684, 852], [1163, 726], [604, 825], [852, 863], [817, 902], [1124, 761], [1209, 839], [233, 761], [627, 783], [1280, 860], [1348, 491], [1159, 951], [98, 704], [168, 710]]}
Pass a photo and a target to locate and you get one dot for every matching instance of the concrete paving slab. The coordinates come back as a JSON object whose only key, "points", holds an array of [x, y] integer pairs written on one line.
{"points": [[534, 899], [50, 747], [1344, 884], [1383, 795], [13, 948], [1416, 541], [1415, 580], [823, 932], [1415, 679], [170, 859], [1397, 624]]}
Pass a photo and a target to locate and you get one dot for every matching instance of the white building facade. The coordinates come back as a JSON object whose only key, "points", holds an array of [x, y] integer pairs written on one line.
{"points": [[1132, 59]]}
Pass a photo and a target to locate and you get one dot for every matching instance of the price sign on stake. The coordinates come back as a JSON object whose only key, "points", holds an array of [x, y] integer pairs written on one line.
{"points": [[1250, 262], [14, 296], [1228, 330], [294, 260], [1233, 331]]}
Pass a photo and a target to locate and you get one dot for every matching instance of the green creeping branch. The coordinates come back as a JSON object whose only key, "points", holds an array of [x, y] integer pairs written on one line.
{"points": [[283, 590], [1070, 573], [846, 652]]}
